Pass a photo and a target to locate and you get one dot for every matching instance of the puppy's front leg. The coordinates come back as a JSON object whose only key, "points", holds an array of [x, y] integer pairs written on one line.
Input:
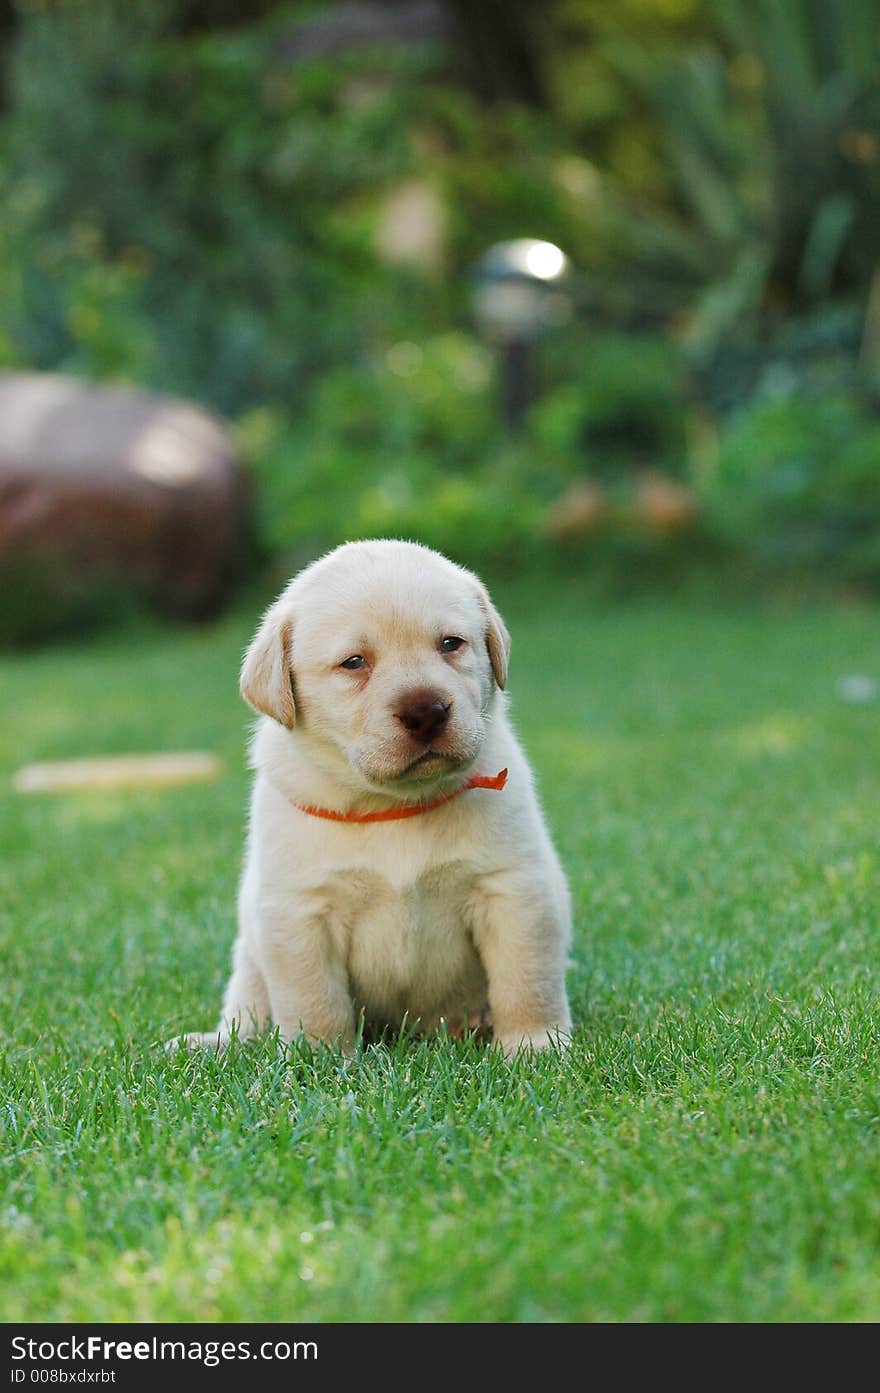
{"points": [[521, 931], [306, 976]]}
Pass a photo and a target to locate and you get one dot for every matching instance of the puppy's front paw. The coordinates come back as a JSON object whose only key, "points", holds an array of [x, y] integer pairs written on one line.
{"points": [[513, 1042], [212, 1040]]}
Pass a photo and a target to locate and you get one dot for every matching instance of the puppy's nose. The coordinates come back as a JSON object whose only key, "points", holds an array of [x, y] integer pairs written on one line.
{"points": [[424, 719]]}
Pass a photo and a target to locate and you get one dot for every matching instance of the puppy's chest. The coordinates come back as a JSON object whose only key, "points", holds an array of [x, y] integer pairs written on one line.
{"points": [[407, 933]]}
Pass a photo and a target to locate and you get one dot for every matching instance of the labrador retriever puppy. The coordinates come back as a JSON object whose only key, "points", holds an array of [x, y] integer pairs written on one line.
{"points": [[398, 866]]}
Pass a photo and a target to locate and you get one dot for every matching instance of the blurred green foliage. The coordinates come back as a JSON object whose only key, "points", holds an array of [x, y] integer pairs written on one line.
{"points": [[797, 484], [406, 444], [210, 213], [741, 141], [623, 407]]}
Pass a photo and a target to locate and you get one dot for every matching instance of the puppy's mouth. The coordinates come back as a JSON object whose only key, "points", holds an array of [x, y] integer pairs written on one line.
{"points": [[420, 772], [430, 764]]}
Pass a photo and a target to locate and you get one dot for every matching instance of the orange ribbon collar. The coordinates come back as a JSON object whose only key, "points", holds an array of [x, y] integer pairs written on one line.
{"points": [[411, 810]]}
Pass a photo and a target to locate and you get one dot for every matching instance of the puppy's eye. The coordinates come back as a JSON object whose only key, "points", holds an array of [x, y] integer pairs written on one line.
{"points": [[354, 662], [451, 644]]}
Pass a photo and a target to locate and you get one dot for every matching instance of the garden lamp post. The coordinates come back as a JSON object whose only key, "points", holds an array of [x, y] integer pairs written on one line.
{"points": [[519, 291]]}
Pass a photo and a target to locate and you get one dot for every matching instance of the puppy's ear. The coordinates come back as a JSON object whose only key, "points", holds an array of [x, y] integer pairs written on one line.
{"points": [[266, 677], [497, 637]]}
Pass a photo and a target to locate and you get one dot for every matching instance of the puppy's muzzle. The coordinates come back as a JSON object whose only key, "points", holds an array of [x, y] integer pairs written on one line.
{"points": [[424, 715]]}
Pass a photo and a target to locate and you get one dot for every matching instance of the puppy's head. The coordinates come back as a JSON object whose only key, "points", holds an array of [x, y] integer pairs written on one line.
{"points": [[386, 654]]}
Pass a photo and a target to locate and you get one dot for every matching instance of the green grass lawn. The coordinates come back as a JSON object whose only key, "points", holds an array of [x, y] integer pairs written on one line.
{"points": [[708, 1150]]}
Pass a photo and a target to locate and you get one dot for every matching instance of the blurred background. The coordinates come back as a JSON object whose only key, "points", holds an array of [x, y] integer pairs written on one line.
{"points": [[266, 284]]}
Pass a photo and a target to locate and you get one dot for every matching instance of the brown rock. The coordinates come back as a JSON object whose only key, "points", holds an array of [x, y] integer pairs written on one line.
{"points": [[118, 487]]}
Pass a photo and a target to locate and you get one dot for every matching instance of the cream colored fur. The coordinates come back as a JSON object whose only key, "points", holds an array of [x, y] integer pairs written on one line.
{"points": [[430, 919]]}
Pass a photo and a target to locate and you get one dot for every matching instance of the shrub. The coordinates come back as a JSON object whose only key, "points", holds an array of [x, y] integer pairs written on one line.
{"points": [[758, 182], [622, 407], [411, 444], [797, 484], [407, 444]]}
